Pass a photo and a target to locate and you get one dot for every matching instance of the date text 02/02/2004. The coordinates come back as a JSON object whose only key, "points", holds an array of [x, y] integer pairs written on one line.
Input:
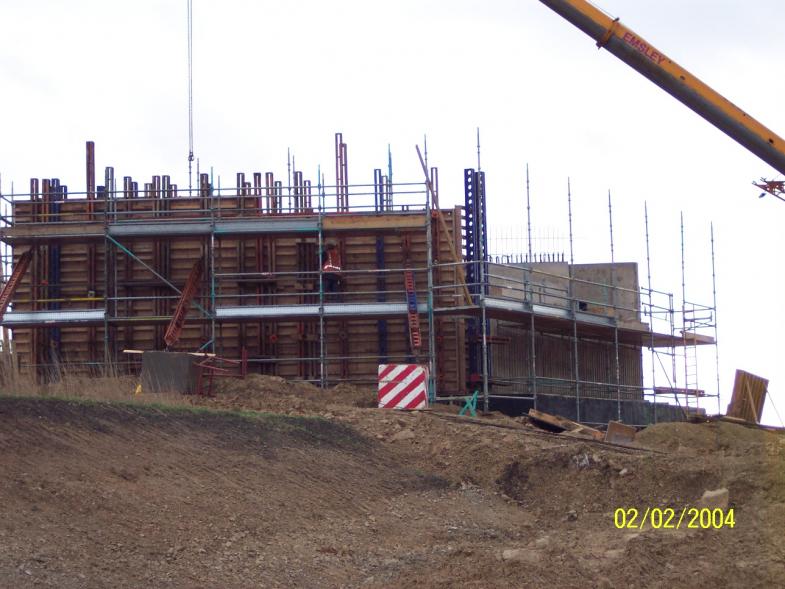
{"points": [[667, 518]]}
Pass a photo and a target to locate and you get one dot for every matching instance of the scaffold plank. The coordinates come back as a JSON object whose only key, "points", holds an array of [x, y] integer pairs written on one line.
{"points": [[18, 318], [312, 310]]}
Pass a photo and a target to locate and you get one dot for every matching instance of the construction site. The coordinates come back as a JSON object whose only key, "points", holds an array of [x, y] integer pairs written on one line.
{"points": [[351, 378], [323, 283]]}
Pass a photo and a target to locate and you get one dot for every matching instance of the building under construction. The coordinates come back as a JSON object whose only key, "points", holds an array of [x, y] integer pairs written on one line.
{"points": [[324, 282]]}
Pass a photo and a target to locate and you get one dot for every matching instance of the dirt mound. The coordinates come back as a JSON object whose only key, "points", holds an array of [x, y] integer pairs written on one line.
{"points": [[705, 437], [328, 493], [273, 393]]}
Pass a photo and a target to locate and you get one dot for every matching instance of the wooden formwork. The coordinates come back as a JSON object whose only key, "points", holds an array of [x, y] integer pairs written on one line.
{"points": [[101, 264]]}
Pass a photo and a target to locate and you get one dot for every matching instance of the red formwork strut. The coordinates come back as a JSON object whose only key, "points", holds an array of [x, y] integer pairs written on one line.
{"points": [[415, 338], [214, 367], [13, 282], [184, 304]]}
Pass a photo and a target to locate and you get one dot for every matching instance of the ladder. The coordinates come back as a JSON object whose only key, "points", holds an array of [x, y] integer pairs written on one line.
{"points": [[689, 340], [415, 338], [184, 304], [691, 368], [13, 282]]}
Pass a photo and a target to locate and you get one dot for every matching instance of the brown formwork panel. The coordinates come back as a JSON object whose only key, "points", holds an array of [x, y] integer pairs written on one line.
{"points": [[234, 255]]}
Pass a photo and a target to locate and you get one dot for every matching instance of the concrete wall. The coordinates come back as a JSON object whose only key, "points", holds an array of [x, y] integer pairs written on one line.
{"points": [[602, 289], [593, 411], [609, 289]]}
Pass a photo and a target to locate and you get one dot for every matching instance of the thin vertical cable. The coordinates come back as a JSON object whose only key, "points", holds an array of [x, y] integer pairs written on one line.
{"points": [[479, 168], [528, 216], [190, 96]]}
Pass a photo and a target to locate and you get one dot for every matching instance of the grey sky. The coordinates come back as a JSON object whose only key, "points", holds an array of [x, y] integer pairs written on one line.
{"points": [[276, 75]]}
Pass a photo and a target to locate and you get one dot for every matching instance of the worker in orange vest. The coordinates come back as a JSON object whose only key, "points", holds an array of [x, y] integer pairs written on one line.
{"points": [[331, 269]]}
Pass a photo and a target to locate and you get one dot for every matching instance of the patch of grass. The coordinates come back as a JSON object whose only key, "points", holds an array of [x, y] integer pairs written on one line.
{"points": [[146, 406], [117, 391], [231, 426]]}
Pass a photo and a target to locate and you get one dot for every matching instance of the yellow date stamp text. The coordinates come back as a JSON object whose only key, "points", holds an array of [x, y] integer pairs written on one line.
{"points": [[668, 518]]}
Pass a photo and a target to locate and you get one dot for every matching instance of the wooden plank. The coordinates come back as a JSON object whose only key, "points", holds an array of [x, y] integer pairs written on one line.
{"points": [[353, 222], [562, 424], [697, 339], [679, 391]]}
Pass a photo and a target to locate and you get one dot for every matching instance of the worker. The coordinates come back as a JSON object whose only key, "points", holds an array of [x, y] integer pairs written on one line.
{"points": [[331, 269]]}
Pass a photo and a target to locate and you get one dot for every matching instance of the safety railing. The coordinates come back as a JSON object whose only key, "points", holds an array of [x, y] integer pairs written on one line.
{"points": [[63, 207]]}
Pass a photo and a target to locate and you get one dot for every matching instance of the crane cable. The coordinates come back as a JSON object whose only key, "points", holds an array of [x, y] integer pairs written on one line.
{"points": [[190, 95]]}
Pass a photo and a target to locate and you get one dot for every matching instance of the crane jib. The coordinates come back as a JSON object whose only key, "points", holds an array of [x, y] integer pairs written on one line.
{"points": [[648, 61]]}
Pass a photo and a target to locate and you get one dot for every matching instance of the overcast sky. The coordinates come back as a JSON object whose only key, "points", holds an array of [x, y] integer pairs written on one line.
{"points": [[275, 75]]}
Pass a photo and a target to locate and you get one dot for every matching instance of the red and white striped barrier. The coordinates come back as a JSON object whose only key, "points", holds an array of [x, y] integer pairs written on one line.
{"points": [[403, 386]]}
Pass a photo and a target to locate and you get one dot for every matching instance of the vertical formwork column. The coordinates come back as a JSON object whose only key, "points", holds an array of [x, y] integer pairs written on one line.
{"points": [[57, 192], [470, 257], [43, 277], [477, 277], [90, 178], [341, 174], [381, 296], [378, 191], [483, 256], [92, 269]]}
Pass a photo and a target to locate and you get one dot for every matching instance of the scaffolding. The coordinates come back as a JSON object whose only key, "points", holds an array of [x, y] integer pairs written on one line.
{"points": [[109, 267]]}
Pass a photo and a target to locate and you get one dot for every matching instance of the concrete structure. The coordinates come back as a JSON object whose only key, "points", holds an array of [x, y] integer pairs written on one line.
{"points": [[109, 266]]}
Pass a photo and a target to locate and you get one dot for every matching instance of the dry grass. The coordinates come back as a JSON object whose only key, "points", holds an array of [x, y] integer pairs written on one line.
{"points": [[66, 382]]}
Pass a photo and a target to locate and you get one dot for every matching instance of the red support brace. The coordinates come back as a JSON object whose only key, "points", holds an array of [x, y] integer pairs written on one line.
{"points": [[184, 304], [13, 282]]}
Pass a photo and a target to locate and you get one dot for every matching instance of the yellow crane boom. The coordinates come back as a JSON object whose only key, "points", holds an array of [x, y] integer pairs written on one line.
{"points": [[652, 63]]}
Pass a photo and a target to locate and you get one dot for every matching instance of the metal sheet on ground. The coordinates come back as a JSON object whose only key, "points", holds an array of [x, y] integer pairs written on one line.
{"points": [[169, 372]]}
